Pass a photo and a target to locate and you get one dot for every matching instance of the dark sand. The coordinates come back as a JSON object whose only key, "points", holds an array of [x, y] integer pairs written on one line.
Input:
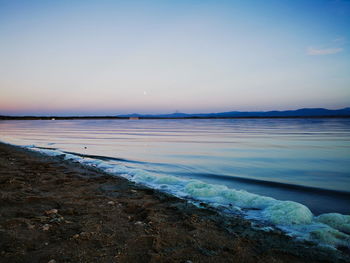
{"points": [[57, 210]]}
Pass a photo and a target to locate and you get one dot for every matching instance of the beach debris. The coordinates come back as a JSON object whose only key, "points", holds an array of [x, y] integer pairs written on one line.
{"points": [[57, 219], [111, 203], [139, 223], [52, 261], [46, 227], [53, 216], [51, 212]]}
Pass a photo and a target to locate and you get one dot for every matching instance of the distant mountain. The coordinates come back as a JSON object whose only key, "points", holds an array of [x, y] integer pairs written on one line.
{"points": [[306, 112], [300, 113]]}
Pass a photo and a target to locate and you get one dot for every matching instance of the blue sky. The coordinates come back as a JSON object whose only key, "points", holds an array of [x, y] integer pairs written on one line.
{"points": [[113, 57]]}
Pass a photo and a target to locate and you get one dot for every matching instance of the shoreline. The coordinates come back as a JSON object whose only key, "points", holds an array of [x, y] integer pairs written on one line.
{"points": [[53, 209], [167, 118]]}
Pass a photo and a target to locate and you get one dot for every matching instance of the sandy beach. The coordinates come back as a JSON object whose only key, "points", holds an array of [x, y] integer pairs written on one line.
{"points": [[59, 211]]}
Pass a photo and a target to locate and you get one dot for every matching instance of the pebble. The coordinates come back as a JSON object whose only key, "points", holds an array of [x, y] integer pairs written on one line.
{"points": [[57, 219], [46, 227], [51, 212]]}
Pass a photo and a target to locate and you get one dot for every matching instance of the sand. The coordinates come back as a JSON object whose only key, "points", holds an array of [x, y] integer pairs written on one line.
{"points": [[59, 211]]}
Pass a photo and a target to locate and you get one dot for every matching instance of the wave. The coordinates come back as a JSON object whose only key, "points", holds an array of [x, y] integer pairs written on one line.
{"points": [[254, 181], [330, 229], [101, 157]]}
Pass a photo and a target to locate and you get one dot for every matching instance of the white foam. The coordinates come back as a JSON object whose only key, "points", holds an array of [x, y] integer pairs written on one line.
{"points": [[200, 190], [288, 213], [335, 220], [294, 218], [331, 237]]}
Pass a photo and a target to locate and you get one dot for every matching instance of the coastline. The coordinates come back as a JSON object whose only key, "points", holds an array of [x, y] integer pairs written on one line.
{"points": [[168, 118], [59, 210]]}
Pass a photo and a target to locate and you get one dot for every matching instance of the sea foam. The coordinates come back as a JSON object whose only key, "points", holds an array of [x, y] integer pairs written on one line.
{"points": [[335, 220]]}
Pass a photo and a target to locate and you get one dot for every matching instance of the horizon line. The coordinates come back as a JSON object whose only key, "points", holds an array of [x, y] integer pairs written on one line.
{"points": [[190, 115]]}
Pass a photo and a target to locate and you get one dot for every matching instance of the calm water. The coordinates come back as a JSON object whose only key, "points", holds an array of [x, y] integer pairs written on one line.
{"points": [[304, 160]]}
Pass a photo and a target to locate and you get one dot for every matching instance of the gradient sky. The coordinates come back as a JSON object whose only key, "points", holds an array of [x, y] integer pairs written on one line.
{"points": [[113, 57]]}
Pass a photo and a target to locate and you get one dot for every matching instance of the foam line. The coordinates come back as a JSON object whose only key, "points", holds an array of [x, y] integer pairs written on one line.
{"points": [[296, 219]]}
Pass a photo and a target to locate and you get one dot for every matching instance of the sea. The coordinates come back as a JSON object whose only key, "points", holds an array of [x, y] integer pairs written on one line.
{"points": [[293, 174]]}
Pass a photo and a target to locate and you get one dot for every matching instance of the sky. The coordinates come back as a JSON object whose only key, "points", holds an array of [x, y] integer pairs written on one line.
{"points": [[195, 56]]}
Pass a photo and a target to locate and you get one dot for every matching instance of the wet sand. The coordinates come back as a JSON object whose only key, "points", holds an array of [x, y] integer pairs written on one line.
{"points": [[53, 210]]}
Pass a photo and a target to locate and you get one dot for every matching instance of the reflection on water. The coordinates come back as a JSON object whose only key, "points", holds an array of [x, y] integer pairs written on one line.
{"points": [[265, 156]]}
